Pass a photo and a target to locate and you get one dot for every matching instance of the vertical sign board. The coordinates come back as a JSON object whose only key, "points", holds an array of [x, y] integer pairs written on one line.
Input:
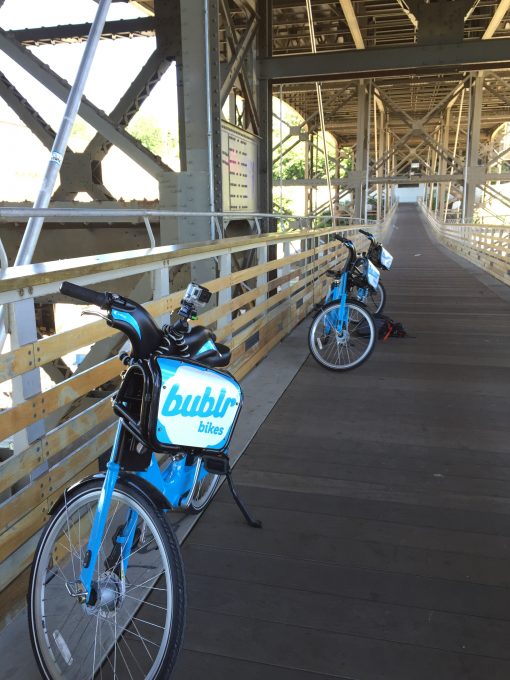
{"points": [[239, 150]]}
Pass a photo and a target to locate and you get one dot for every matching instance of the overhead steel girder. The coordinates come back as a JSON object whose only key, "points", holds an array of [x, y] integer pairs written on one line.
{"points": [[90, 113], [469, 55], [395, 179], [49, 35], [505, 98]]}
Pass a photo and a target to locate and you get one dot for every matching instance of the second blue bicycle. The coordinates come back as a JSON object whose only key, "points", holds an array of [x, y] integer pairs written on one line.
{"points": [[343, 334]]}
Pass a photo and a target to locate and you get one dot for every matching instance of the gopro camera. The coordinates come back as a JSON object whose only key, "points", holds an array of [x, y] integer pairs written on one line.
{"points": [[197, 295]]}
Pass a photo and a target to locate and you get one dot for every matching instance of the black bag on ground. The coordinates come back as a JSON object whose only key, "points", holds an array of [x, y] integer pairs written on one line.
{"points": [[384, 326]]}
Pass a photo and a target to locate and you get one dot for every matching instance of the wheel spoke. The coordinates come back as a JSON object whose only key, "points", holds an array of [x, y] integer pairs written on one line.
{"points": [[126, 629]]}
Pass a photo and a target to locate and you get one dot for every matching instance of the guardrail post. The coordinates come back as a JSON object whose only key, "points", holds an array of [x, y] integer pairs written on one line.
{"points": [[161, 287], [225, 295], [262, 279], [24, 331]]}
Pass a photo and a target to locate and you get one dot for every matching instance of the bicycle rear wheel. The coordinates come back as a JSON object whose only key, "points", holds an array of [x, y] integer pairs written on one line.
{"points": [[376, 299], [204, 491], [135, 627], [341, 349]]}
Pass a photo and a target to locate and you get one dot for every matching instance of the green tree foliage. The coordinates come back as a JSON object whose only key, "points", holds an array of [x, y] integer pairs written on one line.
{"points": [[293, 165], [147, 131]]}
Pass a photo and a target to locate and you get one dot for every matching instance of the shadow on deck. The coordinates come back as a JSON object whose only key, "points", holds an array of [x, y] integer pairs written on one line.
{"points": [[385, 497]]}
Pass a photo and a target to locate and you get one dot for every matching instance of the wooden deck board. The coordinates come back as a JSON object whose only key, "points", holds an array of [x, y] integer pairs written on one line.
{"points": [[385, 497]]}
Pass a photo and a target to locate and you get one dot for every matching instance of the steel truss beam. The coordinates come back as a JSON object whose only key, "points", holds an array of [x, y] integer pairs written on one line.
{"points": [[21, 107], [150, 74], [51, 35], [239, 54], [90, 113], [417, 127], [237, 67], [472, 55]]}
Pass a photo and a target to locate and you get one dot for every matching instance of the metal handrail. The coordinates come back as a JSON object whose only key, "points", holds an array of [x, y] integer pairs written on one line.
{"points": [[121, 214]]}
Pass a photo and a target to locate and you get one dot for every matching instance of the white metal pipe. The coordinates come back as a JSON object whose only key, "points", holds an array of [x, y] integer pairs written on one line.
{"points": [[34, 226]]}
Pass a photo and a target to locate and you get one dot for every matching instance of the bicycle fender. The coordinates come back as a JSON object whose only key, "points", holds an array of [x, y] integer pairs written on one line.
{"points": [[126, 481]]}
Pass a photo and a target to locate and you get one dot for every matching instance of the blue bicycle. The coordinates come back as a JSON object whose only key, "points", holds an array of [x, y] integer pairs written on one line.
{"points": [[373, 298], [342, 335], [107, 591]]}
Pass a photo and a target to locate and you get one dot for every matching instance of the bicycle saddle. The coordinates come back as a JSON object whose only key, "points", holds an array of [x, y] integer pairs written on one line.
{"points": [[217, 356], [197, 337], [333, 274]]}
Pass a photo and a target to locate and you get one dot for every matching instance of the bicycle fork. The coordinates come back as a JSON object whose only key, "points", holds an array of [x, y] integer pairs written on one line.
{"points": [[85, 589]]}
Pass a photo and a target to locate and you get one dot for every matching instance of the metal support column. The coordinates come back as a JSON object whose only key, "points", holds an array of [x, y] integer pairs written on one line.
{"points": [[198, 186], [443, 165], [359, 175], [473, 171], [265, 108]]}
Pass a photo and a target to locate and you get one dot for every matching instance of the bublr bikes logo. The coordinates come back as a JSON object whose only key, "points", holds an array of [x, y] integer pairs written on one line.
{"points": [[199, 408], [203, 406]]}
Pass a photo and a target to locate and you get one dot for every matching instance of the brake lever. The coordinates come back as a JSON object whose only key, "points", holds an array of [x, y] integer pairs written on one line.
{"points": [[86, 312]]}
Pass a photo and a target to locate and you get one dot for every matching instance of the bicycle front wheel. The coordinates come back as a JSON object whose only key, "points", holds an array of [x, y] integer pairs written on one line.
{"points": [[338, 345], [134, 627]]}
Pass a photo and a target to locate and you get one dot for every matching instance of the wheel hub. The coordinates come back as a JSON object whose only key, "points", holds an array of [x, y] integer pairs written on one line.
{"points": [[109, 591]]}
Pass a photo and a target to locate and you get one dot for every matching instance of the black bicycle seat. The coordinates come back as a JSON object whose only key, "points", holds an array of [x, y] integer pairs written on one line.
{"points": [[333, 274], [214, 358]]}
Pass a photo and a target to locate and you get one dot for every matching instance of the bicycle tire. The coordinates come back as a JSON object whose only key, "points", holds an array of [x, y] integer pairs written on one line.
{"points": [[204, 492], [142, 608], [375, 300], [358, 340]]}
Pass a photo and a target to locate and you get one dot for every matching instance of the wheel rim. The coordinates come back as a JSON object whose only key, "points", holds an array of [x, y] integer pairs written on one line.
{"points": [[125, 634], [342, 348], [374, 301]]}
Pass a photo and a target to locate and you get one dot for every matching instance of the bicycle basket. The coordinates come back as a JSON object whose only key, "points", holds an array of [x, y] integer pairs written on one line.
{"points": [[372, 274], [382, 258]]}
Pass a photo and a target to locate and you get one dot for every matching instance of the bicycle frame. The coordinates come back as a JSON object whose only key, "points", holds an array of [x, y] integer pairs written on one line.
{"points": [[175, 482], [339, 293]]}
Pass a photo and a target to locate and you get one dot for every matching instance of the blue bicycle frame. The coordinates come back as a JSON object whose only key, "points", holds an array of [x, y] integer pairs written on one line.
{"points": [[337, 320], [175, 482]]}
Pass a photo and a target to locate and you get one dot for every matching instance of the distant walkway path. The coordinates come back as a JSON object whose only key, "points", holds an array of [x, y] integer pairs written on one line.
{"points": [[385, 497]]}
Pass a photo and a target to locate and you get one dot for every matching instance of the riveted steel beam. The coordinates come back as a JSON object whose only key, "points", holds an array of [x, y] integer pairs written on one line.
{"points": [[472, 55], [90, 113], [51, 35]]}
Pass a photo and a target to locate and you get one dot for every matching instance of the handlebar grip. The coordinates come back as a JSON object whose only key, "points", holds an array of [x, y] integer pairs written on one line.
{"points": [[84, 294], [366, 233], [341, 238]]}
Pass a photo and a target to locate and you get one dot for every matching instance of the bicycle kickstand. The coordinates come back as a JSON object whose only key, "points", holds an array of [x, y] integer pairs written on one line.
{"points": [[255, 523]]}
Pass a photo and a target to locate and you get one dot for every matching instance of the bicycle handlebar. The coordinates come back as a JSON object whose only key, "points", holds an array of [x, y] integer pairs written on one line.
{"points": [[367, 234], [85, 294]]}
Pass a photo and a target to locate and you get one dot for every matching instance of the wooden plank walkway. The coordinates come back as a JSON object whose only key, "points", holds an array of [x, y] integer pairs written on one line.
{"points": [[385, 497]]}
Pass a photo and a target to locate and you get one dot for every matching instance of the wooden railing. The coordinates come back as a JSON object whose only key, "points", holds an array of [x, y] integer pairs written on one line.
{"points": [[487, 246], [39, 470]]}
